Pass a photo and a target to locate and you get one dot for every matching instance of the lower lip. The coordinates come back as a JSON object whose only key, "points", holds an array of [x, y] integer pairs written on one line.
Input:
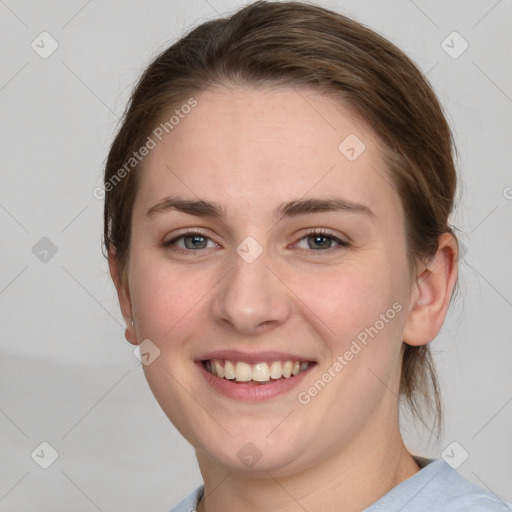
{"points": [[253, 392]]}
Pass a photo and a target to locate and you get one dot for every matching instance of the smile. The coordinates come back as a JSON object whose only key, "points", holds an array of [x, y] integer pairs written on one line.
{"points": [[259, 373]]}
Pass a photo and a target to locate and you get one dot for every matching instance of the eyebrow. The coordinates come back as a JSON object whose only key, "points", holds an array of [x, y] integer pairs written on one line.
{"points": [[294, 208]]}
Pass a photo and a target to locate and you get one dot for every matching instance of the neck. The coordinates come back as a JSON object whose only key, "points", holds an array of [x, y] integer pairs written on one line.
{"points": [[344, 478]]}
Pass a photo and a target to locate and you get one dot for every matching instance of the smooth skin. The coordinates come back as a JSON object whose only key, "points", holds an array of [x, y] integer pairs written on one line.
{"points": [[250, 150]]}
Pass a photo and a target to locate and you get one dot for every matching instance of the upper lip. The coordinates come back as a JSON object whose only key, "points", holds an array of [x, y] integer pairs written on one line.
{"points": [[253, 357]]}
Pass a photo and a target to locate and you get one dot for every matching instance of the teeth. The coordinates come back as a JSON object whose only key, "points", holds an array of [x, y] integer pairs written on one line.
{"points": [[243, 372], [260, 372], [276, 370], [219, 371], [229, 370], [287, 369]]}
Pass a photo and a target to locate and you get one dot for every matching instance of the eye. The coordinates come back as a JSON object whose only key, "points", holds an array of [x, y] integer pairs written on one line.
{"points": [[189, 242], [320, 240]]}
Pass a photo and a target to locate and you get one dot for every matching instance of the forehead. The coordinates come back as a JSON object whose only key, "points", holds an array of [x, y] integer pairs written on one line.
{"points": [[265, 145]]}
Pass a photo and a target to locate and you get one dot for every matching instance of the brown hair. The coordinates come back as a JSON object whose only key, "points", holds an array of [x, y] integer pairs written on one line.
{"points": [[292, 43]]}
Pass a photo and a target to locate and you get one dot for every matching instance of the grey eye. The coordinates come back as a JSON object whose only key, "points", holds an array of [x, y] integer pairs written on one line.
{"points": [[320, 242], [195, 242]]}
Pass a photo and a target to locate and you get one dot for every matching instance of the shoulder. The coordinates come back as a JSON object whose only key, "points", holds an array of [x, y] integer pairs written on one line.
{"points": [[460, 494], [437, 486], [189, 504]]}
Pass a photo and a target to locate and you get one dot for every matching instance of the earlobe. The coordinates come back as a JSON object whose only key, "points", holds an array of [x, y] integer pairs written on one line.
{"points": [[123, 295], [431, 294], [130, 334]]}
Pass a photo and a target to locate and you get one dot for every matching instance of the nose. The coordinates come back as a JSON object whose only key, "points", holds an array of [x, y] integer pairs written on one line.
{"points": [[251, 299]]}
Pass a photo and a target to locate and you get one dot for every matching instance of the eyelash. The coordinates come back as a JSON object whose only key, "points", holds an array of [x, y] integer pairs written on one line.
{"points": [[310, 234]]}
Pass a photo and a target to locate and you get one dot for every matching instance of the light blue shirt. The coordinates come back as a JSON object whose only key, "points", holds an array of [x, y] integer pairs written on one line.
{"points": [[436, 487]]}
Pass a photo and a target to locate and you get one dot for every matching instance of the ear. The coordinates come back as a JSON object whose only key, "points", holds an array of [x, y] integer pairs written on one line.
{"points": [[431, 293], [123, 294]]}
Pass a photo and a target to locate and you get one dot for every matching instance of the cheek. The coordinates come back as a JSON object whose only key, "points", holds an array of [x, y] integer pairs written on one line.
{"points": [[169, 306], [359, 312], [345, 300], [167, 300]]}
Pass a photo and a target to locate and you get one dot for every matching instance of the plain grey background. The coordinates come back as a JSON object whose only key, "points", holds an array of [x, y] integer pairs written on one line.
{"points": [[68, 377]]}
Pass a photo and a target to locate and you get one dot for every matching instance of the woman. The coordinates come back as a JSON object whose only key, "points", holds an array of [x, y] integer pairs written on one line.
{"points": [[276, 225]]}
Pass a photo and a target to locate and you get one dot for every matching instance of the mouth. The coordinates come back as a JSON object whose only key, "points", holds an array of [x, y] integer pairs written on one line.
{"points": [[254, 377], [258, 374]]}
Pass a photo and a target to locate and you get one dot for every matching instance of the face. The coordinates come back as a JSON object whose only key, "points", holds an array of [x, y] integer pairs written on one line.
{"points": [[286, 252]]}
